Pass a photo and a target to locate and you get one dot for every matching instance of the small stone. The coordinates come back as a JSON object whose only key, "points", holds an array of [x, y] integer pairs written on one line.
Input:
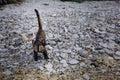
{"points": [[98, 31], [111, 60], [66, 50], [75, 36], [83, 54], [54, 15], [23, 47], [1, 36], [109, 52], [18, 42], [52, 42], [57, 54], [92, 58], [50, 35], [117, 40], [82, 37], [16, 63], [49, 67], [7, 72], [116, 57], [49, 47], [98, 47], [82, 64], [73, 61], [1, 60], [79, 78], [86, 76], [66, 30], [57, 36], [78, 49], [64, 55], [105, 45], [118, 53], [24, 37], [64, 63], [41, 68]]}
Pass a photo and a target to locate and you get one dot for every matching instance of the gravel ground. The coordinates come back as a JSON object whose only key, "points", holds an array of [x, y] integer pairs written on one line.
{"points": [[83, 40]]}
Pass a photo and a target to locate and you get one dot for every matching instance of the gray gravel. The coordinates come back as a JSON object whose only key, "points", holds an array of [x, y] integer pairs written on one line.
{"points": [[83, 39]]}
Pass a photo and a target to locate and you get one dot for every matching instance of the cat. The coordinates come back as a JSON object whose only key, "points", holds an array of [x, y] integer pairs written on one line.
{"points": [[39, 43]]}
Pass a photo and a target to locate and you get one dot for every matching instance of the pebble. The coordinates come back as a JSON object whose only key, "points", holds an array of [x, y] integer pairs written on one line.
{"points": [[98, 47], [18, 42], [24, 37], [64, 55], [109, 52], [82, 64], [79, 78], [78, 49], [54, 15], [50, 35], [73, 61], [117, 53], [39, 66], [75, 36], [7, 72], [66, 51], [117, 40], [83, 54], [23, 47], [49, 67], [116, 57], [64, 63], [1, 36], [52, 42], [49, 47], [86, 76]]}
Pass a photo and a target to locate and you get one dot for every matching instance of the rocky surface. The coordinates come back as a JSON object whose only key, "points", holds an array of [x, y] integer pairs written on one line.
{"points": [[83, 41]]}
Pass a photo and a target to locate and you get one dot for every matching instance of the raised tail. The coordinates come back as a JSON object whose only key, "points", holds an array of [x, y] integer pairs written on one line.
{"points": [[39, 20]]}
